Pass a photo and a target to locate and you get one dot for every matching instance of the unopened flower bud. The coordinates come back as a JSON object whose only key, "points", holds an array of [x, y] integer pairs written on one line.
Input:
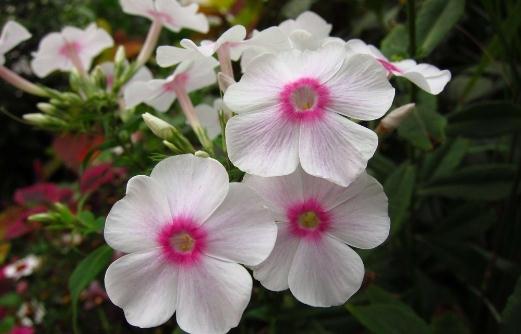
{"points": [[172, 147], [46, 108], [159, 127], [201, 154], [99, 78], [46, 217], [43, 120], [120, 62], [393, 119]]}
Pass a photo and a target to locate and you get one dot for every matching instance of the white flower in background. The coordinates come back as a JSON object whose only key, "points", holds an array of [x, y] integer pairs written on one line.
{"points": [[31, 313], [209, 117], [185, 228], [169, 13], [315, 220], [307, 32], [71, 48], [13, 33], [23, 267], [291, 109], [161, 93], [143, 74], [426, 76]]}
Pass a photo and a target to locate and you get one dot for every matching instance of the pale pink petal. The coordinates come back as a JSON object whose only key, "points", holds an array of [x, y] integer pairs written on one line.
{"points": [[194, 186], [235, 34], [138, 7], [96, 40], [263, 143], [201, 74], [362, 220], [336, 148], [134, 221], [241, 229], [162, 101], [427, 77], [325, 272], [274, 272], [212, 296], [360, 89], [13, 33], [139, 92], [182, 17], [322, 64], [144, 286]]}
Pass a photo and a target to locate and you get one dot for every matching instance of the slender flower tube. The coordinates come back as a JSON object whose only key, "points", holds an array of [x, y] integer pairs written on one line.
{"points": [[20, 83]]}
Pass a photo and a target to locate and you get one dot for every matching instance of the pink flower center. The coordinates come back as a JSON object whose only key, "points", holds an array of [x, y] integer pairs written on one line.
{"points": [[70, 49], [389, 66], [304, 100], [308, 219], [180, 79], [162, 17], [182, 241]]}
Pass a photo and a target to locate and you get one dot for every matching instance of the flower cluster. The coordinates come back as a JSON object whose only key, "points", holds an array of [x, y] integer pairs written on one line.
{"points": [[293, 123]]}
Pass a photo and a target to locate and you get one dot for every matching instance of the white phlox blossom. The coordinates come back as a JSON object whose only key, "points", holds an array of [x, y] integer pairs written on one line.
{"points": [[185, 229], [12, 34], [31, 313], [22, 268], [72, 48], [428, 77]]}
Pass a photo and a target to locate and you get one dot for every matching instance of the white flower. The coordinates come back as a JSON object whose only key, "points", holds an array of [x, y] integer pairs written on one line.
{"points": [[307, 32], [13, 33], [426, 76], [143, 74], [31, 313], [161, 93], [209, 117], [185, 229], [169, 13], [23, 267], [71, 48], [291, 109], [315, 220]]}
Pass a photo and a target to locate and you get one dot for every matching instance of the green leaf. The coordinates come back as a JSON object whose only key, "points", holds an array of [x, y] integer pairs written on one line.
{"points": [[486, 119], [445, 159], [86, 272], [389, 318], [395, 45], [433, 22], [482, 182], [381, 166], [399, 188], [449, 323], [10, 299], [511, 315], [6, 324], [425, 125]]}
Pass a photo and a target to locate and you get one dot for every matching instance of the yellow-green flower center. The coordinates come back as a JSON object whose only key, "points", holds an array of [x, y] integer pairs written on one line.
{"points": [[308, 219]]}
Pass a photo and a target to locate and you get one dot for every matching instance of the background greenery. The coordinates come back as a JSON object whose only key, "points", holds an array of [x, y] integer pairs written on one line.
{"points": [[451, 171]]}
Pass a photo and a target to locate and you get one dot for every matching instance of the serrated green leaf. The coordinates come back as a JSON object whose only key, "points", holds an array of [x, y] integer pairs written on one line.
{"points": [[482, 182], [434, 20], [399, 188], [486, 120]]}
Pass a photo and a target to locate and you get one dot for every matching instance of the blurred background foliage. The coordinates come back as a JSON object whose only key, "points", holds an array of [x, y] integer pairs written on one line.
{"points": [[452, 171]]}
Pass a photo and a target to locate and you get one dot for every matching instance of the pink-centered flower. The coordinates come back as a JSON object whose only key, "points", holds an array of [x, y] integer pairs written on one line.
{"points": [[72, 48], [161, 93], [315, 220], [291, 109], [185, 229], [23, 267], [169, 13], [428, 77], [13, 34]]}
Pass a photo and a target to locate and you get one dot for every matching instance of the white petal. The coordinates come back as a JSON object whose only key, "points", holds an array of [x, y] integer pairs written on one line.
{"points": [[136, 93], [96, 40], [427, 77], [134, 222], [143, 74], [138, 7], [194, 186], [167, 56], [241, 229], [144, 286], [357, 46], [336, 148], [362, 220], [182, 17], [212, 296], [209, 118], [325, 272], [162, 102], [271, 39], [234, 34], [13, 33], [279, 192], [360, 89], [263, 143], [48, 59], [314, 24], [201, 74], [274, 272], [321, 64]]}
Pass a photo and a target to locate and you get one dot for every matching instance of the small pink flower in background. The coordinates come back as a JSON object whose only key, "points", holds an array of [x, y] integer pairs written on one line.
{"points": [[291, 109], [43, 193], [186, 229], [426, 76], [169, 13], [23, 267], [22, 330], [72, 48], [93, 296], [13, 222], [13, 34], [96, 176], [143, 74], [315, 220], [161, 93]]}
